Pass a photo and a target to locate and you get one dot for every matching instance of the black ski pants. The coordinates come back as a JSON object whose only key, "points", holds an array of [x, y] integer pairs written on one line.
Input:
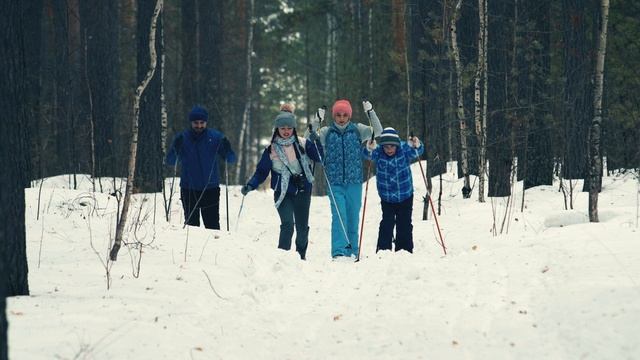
{"points": [[396, 215], [294, 211], [208, 206]]}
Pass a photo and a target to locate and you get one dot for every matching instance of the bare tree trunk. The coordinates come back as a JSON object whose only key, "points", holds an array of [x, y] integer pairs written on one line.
{"points": [[595, 171], [92, 133], [134, 133], [408, 77], [485, 90], [466, 190], [479, 100], [370, 33], [399, 22], [329, 66], [164, 124], [243, 139], [13, 247]]}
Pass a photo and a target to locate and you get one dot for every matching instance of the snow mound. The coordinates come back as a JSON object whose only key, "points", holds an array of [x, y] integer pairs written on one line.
{"points": [[566, 218]]}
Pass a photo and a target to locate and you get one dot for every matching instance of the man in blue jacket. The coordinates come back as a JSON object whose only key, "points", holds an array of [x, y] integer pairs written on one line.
{"points": [[197, 149]]}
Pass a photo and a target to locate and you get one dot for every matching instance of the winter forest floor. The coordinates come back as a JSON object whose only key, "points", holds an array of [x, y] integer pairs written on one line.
{"points": [[550, 286]]}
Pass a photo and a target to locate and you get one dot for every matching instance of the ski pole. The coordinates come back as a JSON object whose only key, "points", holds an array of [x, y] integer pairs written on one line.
{"points": [[239, 212], [366, 189], [226, 191], [364, 206], [433, 211]]}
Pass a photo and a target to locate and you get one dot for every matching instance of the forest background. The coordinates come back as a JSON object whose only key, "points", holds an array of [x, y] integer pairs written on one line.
{"points": [[241, 59], [511, 90]]}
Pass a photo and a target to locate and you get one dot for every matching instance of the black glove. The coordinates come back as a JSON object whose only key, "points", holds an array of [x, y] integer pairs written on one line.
{"points": [[225, 145], [177, 144], [245, 189]]}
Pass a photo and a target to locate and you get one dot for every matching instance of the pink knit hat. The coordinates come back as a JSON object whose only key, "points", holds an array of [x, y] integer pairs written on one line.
{"points": [[341, 106]]}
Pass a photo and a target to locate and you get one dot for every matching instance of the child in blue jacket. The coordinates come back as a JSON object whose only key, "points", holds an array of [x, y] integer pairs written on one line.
{"points": [[395, 186], [288, 158]]}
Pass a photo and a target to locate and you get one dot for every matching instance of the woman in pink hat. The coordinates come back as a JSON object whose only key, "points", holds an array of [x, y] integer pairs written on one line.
{"points": [[342, 142]]}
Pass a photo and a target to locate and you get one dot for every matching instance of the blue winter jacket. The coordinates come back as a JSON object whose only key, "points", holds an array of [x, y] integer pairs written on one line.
{"points": [[198, 157], [265, 165], [342, 162], [393, 173]]}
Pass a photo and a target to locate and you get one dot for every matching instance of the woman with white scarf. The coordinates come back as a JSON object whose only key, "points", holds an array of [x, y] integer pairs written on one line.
{"points": [[288, 158]]}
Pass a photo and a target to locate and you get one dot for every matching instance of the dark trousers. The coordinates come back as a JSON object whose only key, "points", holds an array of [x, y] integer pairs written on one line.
{"points": [[294, 210], [396, 215], [208, 206]]}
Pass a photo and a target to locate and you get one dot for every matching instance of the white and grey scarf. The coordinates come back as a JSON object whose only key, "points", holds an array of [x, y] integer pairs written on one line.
{"points": [[285, 175]]}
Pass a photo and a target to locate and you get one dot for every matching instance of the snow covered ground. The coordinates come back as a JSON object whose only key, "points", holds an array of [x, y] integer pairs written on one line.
{"points": [[550, 286]]}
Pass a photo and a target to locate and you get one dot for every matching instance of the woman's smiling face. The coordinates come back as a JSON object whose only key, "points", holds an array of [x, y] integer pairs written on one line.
{"points": [[285, 132]]}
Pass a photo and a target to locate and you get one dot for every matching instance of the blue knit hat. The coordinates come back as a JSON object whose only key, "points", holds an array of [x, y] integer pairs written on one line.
{"points": [[285, 119], [389, 136], [198, 113]]}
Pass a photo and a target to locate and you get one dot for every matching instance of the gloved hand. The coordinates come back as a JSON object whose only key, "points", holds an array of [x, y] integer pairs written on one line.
{"points": [[320, 114], [371, 145], [414, 142], [367, 106], [316, 119], [245, 189], [313, 136]]}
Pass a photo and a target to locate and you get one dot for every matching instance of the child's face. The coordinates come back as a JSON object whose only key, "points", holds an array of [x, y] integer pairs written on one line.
{"points": [[285, 132], [341, 118], [389, 149]]}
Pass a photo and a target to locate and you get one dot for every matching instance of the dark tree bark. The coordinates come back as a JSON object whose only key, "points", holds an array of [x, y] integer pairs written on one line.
{"points": [[4, 328], [13, 256], [430, 79], [190, 57], [33, 10], [208, 53], [499, 128], [538, 165], [148, 177], [578, 105], [100, 30], [61, 102]]}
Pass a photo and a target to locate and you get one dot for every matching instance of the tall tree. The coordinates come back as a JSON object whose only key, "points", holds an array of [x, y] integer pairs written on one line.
{"points": [[499, 127], [33, 11], [577, 93], [100, 23], [208, 53], [595, 160], [464, 132], [149, 172], [537, 167], [12, 150], [58, 110], [133, 145], [622, 111], [190, 55], [480, 100], [245, 126]]}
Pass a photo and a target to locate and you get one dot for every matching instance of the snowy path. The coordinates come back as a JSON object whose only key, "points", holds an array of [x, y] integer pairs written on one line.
{"points": [[553, 287]]}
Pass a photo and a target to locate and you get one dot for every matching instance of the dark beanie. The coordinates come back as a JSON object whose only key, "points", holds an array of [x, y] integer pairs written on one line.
{"points": [[389, 136], [285, 119], [198, 113]]}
